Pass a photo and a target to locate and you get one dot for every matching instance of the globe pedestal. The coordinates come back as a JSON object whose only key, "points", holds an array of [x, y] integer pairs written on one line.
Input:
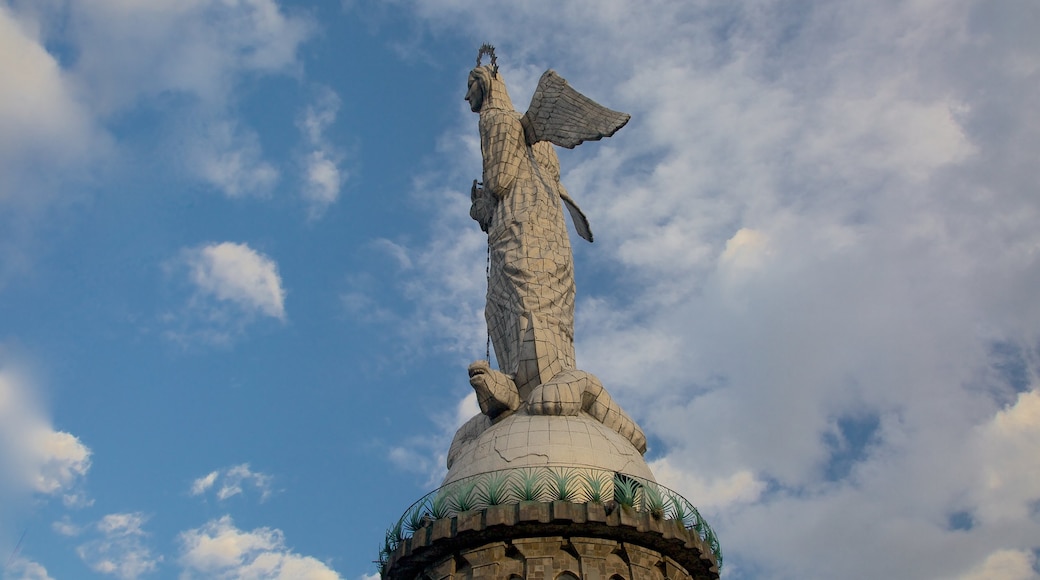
{"points": [[553, 497], [522, 440]]}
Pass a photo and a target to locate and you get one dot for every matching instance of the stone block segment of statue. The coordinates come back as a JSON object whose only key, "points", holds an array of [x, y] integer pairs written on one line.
{"points": [[530, 297]]}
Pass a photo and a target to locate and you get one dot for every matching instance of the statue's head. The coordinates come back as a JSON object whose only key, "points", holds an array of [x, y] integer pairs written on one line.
{"points": [[484, 88]]}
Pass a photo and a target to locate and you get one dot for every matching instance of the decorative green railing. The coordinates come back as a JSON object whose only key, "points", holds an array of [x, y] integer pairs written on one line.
{"points": [[547, 484]]}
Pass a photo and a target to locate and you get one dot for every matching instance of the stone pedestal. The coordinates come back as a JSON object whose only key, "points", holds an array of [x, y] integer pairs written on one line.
{"points": [[567, 545]]}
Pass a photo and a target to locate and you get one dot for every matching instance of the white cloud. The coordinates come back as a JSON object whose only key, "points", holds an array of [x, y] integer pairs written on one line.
{"points": [[319, 116], [322, 182], [127, 53], [238, 274], [34, 457], [229, 158], [231, 482], [72, 69], [710, 496], [202, 484], [41, 121], [230, 286], [66, 527], [19, 568], [120, 550], [131, 51], [1005, 565], [322, 176], [1008, 452], [218, 549]]}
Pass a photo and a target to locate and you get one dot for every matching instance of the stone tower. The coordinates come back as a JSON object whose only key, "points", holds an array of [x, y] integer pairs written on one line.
{"points": [[548, 481]]}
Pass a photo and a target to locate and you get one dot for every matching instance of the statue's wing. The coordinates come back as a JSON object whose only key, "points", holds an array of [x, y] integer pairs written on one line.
{"points": [[581, 223], [563, 116]]}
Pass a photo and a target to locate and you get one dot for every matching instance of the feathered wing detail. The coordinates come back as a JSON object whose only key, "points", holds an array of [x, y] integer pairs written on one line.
{"points": [[581, 223], [563, 116]]}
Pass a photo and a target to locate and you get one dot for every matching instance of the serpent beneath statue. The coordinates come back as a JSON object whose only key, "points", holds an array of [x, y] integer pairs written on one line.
{"points": [[530, 297]]}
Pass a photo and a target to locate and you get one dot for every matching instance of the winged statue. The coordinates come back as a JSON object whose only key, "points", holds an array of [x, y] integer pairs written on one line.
{"points": [[530, 297]]}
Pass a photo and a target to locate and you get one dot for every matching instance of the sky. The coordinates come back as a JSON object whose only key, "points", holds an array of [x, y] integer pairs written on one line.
{"points": [[239, 285]]}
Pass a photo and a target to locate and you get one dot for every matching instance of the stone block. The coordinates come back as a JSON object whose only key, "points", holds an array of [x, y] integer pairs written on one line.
{"points": [[406, 546], [655, 525], [500, 515], [596, 512], [568, 512], [421, 538], [670, 529], [441, 530], [545, 547], [534, 511], [683, 534], [694, 542], [469, 521], [629, 517]]}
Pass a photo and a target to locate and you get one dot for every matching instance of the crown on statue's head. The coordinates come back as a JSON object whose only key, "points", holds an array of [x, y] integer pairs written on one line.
{"points": [[490, 51]]}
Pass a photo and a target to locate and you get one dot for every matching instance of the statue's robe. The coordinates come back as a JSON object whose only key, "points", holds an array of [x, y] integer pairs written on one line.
{"points": [[530, 301]]}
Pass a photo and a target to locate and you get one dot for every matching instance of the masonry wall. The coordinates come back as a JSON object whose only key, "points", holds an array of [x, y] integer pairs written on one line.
{"points": [[552, 541], [556, 558]]}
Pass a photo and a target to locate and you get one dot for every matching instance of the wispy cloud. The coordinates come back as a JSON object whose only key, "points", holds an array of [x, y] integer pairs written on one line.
{"points": [[229, 482], [200, 49], [120, 550], [19, 568], [229, 158], [427, 455], [181, 60], [323, 176], [65, 527], [219, 549], [34, 457]]}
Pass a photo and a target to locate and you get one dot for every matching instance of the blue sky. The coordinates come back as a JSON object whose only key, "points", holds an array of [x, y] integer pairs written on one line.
{"points": [[239, 286]]}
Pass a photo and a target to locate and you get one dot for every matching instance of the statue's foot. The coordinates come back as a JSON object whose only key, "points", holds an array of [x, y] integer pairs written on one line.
{"points": [[562, 395], [573, 391], [496, 392]]}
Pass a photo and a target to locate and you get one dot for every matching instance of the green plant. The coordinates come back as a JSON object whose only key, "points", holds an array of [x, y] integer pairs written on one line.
{"points": [[466, 496], [391, 541], [596, 486], [655, 502], [562, 484], [680, 511], [495, 489], [698, 522], [441, 505], [626, 490], [713, 542], [529, 485], [415, 517]]}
